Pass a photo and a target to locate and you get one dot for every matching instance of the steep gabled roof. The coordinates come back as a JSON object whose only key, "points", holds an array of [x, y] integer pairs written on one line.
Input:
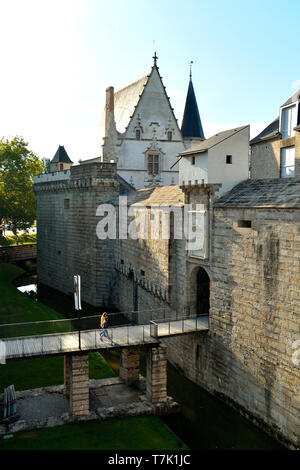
{"points": [[207, 144], [126, 101], [61, 156], [191, 122]]}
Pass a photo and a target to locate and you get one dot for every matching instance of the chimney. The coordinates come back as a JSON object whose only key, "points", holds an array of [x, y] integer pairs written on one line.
{"points": [[109, 106]]}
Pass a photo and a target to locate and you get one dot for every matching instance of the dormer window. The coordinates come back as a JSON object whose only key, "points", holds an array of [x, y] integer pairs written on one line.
{"points": [[138, 134], [288, 120], [170, 135]]}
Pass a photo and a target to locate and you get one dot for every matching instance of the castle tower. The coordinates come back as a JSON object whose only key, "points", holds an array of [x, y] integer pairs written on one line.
{"points": [[61, 160]]}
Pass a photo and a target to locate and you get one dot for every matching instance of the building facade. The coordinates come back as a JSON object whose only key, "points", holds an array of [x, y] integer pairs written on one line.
{"points": [[141, 134], [245, 274]]}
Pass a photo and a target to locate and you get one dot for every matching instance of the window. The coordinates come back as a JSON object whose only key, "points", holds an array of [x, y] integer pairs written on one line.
{"points": [[153, 164], [138, 134], [67, 203], [193, 160], [170, 135], [229, 159], [244, 223], [61, 166], [287, 164], [288, 121]]}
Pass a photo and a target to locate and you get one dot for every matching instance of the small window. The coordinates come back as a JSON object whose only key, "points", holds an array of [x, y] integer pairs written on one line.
{"points": [[170, 135], [67, 203], [193, 160], [287, 163], [61, 166], [138, 134], [245, 223], [142, 273], [229, 159]]}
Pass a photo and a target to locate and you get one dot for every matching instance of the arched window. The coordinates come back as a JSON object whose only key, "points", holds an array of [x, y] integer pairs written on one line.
{"points": [[170, 135], [153, 164], [138, 134]]}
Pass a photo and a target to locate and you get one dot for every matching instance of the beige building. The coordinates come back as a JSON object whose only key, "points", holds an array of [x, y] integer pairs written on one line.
{"points": [[275, 152]]}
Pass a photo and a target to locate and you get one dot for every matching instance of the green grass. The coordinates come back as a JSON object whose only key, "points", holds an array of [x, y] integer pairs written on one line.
{"points": [[16, 307], [134, 433], [24, 239]]}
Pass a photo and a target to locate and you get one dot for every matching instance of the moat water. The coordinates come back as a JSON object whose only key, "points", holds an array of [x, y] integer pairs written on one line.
{"points": [[204, 423]]}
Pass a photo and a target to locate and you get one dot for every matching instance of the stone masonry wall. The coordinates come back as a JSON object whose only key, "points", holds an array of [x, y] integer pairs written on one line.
{"points": [[265, 157], [247, 356], [67, 242]]}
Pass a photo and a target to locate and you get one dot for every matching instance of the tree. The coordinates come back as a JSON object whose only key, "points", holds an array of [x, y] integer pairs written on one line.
{"points": [[46, 164], [18, 166]]}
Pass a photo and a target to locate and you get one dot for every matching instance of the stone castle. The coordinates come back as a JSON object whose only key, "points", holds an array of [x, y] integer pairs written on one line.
{"points": [[245, 274]]}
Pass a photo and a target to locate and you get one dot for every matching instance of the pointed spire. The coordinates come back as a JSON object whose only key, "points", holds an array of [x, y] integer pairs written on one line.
{"points": [[191, 69], [191, 122]]}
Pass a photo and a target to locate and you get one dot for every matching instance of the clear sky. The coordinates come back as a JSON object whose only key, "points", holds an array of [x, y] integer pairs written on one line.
{"points": [[58, 56]]}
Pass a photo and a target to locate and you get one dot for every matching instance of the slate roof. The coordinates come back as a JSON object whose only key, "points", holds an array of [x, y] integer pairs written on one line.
{"points": [[191, 122], [61, 156], [267, 193], [170, 195], [272, 130], [125, 101], [207, 144]]}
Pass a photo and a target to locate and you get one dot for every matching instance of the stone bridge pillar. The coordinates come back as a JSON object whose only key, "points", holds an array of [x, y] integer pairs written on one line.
{"points": [[157, 374], [77, 383], [130, 365]]}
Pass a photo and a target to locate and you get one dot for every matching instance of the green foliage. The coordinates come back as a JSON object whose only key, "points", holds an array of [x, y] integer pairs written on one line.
{"points": [[23, 239], [46, 164], [18, 166]]}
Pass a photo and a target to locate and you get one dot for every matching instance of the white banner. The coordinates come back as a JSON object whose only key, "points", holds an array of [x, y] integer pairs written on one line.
{"points": [[77, 291], [2, 352]]}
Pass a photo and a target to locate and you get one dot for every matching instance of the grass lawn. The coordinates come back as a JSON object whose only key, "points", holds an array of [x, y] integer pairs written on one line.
{"points": [[33, 373], [133, 433], [16, 307], [24, 239]]}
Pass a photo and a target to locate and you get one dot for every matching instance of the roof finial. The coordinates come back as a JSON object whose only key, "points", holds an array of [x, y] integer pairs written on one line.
{"points": [[191, 69], [155, 58]]}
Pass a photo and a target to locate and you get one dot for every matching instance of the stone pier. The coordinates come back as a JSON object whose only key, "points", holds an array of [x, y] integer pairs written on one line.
{"points": [[130, 365], [157, 374], [76, 386]]}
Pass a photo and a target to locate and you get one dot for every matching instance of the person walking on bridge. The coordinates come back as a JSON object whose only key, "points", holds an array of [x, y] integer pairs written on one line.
{"points": [[103, 325]]}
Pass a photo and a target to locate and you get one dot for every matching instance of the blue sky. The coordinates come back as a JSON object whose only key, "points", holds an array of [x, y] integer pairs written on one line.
{"points": [[57, 58]]}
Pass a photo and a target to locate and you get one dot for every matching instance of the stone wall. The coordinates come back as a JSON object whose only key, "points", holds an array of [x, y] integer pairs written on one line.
{"points": [[265, 157], [11, 254], [247, 356], [67, 242]]}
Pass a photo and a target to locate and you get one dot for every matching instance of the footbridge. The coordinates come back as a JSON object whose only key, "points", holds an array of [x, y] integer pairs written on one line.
{"points": [[75, 338]]}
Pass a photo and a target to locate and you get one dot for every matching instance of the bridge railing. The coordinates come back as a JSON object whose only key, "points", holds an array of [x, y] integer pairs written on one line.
{"points": [[84, 323]]}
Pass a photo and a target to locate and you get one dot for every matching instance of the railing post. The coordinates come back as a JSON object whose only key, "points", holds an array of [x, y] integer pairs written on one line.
{"points": [[183, 325], [169, 326], [127, 336]]}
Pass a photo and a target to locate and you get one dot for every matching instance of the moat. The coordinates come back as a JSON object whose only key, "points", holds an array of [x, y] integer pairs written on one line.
{"points": [[204, 423]]}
